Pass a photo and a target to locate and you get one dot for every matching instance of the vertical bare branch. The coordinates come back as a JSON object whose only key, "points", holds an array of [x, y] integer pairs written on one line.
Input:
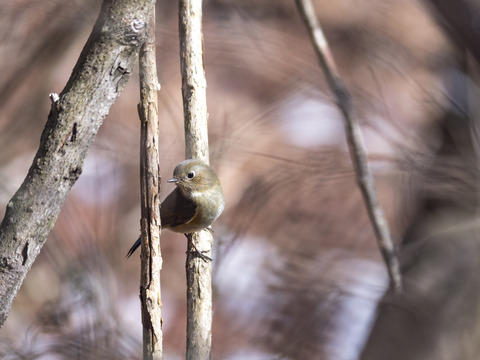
{"points": [[151, 257], [355, 142], [199, 271], [194, 84]]}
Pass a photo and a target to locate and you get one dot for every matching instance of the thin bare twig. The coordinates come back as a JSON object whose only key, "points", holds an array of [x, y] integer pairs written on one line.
{"points": [[199, 271], [355, 143]]}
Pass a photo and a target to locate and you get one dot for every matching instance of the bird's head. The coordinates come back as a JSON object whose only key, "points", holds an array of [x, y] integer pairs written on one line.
{"points": [[193, 177]]}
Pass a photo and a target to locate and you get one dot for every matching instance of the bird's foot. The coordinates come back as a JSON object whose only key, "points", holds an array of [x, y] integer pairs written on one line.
{"points": [[200, 254]]}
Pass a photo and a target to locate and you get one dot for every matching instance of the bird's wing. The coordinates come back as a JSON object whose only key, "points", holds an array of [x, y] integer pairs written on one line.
{"points": [[176, 210]]}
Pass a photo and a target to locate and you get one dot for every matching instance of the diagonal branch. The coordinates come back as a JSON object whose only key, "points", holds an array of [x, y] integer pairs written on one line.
{"points": [[99, 76], [355, 142]]}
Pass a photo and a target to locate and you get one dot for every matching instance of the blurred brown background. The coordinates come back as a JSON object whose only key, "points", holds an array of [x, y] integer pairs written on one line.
{"points": [[297, 273]]}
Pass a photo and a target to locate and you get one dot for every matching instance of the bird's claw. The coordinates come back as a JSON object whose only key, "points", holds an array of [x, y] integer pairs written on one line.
{"points": [[200, 254]]}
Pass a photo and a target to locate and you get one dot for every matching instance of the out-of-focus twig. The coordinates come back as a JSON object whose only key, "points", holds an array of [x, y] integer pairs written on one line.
{"points": [[355, 142], [199, 271], [150, 197], [461, 18]]}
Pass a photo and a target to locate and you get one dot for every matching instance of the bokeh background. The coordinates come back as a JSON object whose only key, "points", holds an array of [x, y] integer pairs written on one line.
{"points": [[297, 273]]}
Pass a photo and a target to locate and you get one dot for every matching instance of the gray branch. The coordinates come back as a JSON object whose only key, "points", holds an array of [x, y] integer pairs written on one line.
{"points": [[355, 143], [99, 76]]}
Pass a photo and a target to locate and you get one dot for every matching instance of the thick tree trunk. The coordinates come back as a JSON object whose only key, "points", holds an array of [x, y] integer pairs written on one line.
{"points": [[99, 76]]}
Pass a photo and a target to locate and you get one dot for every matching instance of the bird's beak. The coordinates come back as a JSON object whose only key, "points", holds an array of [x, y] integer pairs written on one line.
{"points": [[173, 180]]}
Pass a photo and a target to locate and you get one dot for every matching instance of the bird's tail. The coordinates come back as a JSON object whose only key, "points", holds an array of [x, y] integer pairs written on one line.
{"points": [[134, 247]]}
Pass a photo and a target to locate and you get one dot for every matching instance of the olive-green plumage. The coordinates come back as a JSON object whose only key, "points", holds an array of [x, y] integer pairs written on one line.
{"points": [[196, 202]]}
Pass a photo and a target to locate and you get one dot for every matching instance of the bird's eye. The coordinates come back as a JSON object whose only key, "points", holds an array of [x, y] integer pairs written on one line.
{"points": [[191, 175]]}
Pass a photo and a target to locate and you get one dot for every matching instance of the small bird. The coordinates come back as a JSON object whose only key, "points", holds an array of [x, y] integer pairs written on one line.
{"points": [[196, 202]]}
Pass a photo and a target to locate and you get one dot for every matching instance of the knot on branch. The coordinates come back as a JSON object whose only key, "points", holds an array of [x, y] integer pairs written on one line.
{"points": [[136, 32], [73, 174], [137, 25]]}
